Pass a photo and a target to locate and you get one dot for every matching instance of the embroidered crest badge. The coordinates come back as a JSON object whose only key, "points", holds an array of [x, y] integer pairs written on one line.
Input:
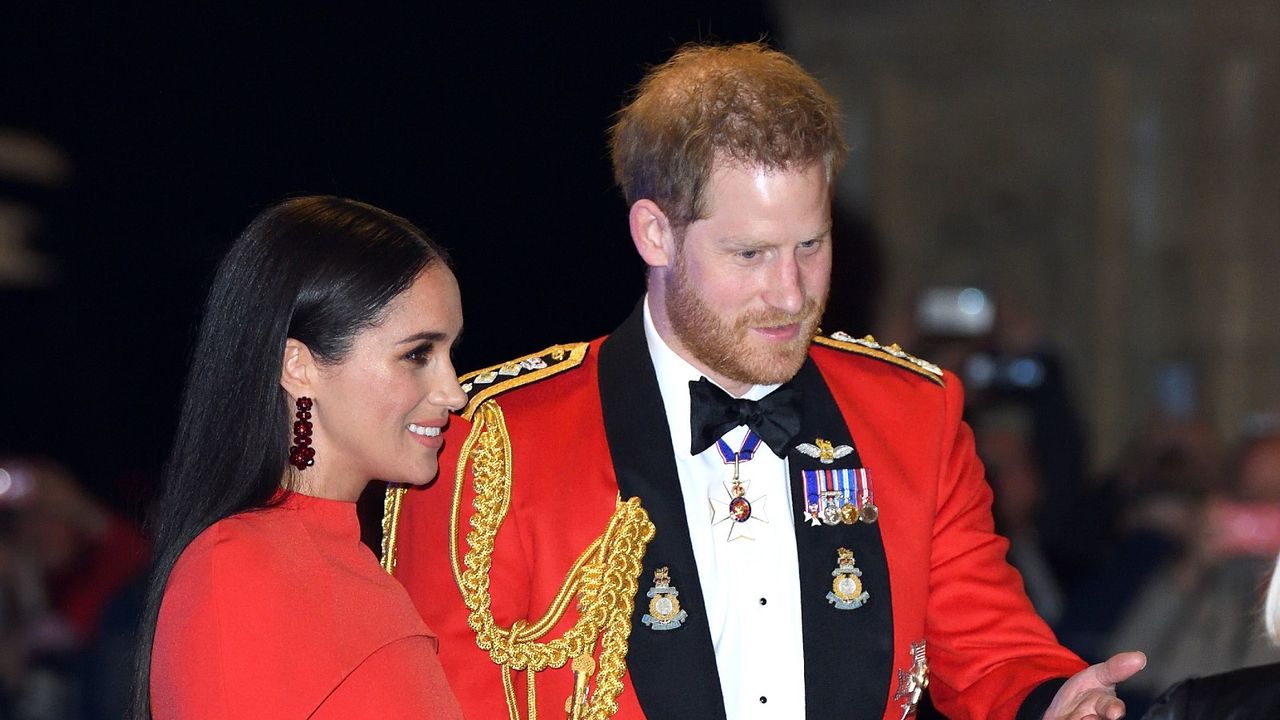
{"points": [[665, 612], [847, 592]]}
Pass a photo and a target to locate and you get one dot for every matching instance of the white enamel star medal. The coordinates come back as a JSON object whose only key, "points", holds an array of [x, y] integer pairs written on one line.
{"points": [[739, 512], [736, 510]]}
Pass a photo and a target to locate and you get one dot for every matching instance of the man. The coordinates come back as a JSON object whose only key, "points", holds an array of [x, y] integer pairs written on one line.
{"points": [[821, 547]]}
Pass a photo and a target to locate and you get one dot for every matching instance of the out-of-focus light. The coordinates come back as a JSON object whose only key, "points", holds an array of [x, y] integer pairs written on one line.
{"points": [[6, 482], [955, 312], [980, 371], [972, 301], [1026, 372]]}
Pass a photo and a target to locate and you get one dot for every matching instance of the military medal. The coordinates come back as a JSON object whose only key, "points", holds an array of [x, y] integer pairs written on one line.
{"points": [[738, 508], [867, 510], [911, 685], [839, 495], [831, 507], [738, 512], [847, 592], [665, 612]]}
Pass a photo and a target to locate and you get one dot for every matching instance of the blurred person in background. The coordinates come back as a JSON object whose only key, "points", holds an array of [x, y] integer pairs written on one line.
{"points": [[65, 559], [1003, 436], [1196, 614], [1028, 432], [1150, 506], [1251, 693]]}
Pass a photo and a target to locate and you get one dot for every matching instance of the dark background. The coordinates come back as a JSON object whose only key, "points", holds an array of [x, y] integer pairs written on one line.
{"points": [[485, 126]]}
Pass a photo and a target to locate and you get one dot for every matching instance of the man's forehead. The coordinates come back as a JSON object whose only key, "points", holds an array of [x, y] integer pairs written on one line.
{"points": [[725, 163]]}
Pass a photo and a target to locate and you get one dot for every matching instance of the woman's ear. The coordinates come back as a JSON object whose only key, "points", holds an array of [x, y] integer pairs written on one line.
{"points": [[298, 372]]}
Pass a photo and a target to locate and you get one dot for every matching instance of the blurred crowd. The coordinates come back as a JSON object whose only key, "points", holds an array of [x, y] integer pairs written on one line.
{"points": [[71, 572], [1168, 550]]}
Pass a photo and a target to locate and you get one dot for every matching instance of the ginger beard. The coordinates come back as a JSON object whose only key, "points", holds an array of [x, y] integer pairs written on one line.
{"points": [[725, 346]]}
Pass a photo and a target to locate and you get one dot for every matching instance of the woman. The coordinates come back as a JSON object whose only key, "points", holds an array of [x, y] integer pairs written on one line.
{"points": [[1244, 694], [322, 362]]}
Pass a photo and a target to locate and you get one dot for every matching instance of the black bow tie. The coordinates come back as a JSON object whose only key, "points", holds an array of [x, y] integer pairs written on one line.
{"points": [[713, 412]]}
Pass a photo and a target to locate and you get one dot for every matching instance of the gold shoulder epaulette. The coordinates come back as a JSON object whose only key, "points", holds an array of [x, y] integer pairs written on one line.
{"points": [[888, 353], [490, 382]]}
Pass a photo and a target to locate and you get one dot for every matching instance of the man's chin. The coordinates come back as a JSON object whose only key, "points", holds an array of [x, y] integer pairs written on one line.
{"points": [[773, 366]]}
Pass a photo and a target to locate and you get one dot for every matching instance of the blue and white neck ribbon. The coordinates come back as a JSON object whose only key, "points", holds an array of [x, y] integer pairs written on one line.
{"points": [[750, 444]]}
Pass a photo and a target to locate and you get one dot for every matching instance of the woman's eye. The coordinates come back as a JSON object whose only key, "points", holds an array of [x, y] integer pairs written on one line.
{"points": [[419, 355]]}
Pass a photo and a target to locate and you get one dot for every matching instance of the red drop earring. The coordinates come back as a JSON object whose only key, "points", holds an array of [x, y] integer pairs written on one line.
{"points": [[301, 454]]}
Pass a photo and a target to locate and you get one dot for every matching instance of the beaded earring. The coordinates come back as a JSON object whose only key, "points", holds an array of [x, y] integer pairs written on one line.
{"points": [[301, 454]]}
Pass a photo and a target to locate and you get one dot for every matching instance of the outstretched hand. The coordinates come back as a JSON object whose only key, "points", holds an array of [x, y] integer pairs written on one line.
{"points": [[1091, 693]]}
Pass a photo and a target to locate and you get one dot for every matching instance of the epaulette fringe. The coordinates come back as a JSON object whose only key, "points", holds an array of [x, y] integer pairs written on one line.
{"points": [[892, 354], [492, 381]]}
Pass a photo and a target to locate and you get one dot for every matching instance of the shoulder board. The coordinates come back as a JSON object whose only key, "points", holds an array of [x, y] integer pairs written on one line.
{"points": [[888, 353], [492, 381]]}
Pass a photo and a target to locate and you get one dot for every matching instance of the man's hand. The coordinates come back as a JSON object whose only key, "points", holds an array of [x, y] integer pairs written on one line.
{"points": [[1091, 693]]}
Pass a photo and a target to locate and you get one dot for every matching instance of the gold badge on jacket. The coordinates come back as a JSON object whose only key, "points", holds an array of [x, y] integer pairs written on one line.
{"points": [[824, 451], [665, 612], [847, 592]]}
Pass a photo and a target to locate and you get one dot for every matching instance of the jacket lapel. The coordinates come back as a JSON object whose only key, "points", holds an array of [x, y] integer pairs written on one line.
{"points": [[848, 654], [673, 671]]}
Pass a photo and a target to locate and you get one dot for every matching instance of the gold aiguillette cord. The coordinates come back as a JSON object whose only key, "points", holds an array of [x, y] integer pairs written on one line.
{"points": [[603, 579]]}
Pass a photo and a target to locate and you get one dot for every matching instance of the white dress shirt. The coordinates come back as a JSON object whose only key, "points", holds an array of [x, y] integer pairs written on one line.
{"points": [[749, 571]]}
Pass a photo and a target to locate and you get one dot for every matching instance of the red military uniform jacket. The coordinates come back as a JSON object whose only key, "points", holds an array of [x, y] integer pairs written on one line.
{"points": [[584, 436]]}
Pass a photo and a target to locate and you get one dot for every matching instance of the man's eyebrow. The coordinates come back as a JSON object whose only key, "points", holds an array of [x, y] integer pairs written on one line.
{"points": [[751, 241], [825, 231]]}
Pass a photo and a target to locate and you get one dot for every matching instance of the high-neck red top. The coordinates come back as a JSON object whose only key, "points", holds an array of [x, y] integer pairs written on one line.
{"points": [[284, 613]]}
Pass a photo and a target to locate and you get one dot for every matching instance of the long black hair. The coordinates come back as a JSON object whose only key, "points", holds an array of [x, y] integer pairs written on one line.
{"points": [[315, 269]]}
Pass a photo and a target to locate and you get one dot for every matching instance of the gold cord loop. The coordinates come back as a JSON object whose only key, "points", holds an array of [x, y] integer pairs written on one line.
{"points": [[603, 579]]}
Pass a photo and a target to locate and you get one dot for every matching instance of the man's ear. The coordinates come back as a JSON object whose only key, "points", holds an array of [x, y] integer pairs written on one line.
{"points": [[298, 372], [652, 233]]}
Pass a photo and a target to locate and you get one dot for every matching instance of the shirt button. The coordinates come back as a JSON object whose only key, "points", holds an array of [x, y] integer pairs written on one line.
{"points": [[763, 601], [763, 699]]}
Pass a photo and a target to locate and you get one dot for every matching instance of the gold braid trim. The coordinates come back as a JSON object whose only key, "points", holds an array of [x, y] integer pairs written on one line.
{"points": [[391, 503], [891, 353], [603, 579]]}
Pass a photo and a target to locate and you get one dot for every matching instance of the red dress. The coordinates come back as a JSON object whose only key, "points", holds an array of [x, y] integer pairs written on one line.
{"points": [[283, 613]]}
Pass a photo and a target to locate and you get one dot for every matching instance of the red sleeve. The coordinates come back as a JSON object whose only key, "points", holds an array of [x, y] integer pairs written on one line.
{"points": [[403, 680], [987, 646]]}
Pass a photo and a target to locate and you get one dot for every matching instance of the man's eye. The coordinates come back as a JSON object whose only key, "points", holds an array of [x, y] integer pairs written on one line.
{"points": [[748, 254]]}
